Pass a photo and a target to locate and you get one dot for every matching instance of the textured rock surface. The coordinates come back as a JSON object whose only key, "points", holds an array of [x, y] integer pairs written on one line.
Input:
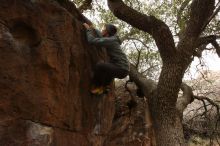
{"points": [[129, 127], [45, 72]]}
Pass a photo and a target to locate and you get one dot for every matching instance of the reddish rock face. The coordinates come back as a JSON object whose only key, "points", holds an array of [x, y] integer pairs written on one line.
{"points": [[131, 124], [45, 73]]}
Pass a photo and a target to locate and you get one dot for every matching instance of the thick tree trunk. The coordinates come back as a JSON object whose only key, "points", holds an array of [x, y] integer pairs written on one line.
{"points": [[168, 132], [163, 107], [167, 119]]}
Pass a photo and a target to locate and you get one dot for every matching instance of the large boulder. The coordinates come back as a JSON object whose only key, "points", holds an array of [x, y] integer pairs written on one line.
{"points": [[45, 75]]}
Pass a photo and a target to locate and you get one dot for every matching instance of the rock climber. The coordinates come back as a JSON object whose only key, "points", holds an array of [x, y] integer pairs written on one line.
{"points": [[118, 65]]}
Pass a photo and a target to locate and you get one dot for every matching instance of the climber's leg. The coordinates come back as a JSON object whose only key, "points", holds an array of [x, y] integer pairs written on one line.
{"points": [[112, 71], [98, 79], [105, 73], [99, 75]]}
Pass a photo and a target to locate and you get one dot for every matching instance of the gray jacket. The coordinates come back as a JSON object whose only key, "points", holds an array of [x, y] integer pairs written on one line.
{"points": [[112, 45]]}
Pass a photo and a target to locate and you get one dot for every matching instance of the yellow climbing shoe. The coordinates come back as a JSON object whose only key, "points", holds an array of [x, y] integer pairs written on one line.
{"points": [[97, 90]]}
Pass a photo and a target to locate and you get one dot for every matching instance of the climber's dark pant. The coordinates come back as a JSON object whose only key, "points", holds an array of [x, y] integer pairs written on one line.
{"points": [[106, 72]]}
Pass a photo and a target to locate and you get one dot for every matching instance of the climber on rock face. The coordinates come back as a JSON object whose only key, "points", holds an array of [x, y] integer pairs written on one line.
{"points": [[118, 65]]}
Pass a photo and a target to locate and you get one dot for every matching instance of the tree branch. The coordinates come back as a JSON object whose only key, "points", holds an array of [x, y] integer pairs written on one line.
{"points": [[136, 39], [155, 27], [198, 52], [201, 10], [203, 98], [129, 91], [203, 41], [87, 4], [212, 16], [138, 57], [130, 33], [179, 13], [146, 85], [149, 68], [185, 99], [188, 98], [217, 47]]}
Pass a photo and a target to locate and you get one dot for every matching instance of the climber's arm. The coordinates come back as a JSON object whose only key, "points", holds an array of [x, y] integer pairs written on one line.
{"points": [[103, 41]]}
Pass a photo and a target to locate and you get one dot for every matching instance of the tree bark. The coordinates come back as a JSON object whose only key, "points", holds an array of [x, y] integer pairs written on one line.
{"points": [[166, 118], [167, 122], [201, 10], [163, 107]]}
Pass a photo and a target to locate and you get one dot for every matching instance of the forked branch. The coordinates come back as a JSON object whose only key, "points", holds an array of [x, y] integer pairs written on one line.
{"points": [[201, 11], [150, 24], [203, 41]]}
